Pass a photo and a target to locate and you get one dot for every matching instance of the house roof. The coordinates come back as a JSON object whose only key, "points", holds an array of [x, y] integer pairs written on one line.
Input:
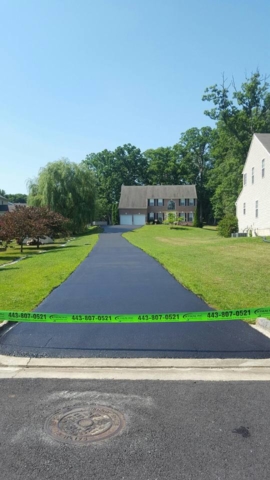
{"points": [[136, 196], [264, 139], [3, 198]]}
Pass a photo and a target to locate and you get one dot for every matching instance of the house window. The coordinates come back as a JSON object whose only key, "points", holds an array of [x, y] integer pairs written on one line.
{"points": [[191, 202], [263, 167], [256, 209], [182, 202], [151, 202], [151, 216], [190, 216], [171, 205], [244, 208], [160, 217], [160, 202], [183, 215], [252, 175], [245, 178]]}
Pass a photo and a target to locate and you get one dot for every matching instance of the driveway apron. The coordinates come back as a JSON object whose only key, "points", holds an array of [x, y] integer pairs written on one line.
{"points": [[118, 278]]}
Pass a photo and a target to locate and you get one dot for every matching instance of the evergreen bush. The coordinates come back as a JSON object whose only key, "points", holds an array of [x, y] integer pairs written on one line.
{"points": [[196, 220], [227, 226]]}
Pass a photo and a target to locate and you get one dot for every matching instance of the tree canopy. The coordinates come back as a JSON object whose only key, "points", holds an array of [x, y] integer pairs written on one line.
{"points": [[14, 197], [125, 165], [67, 188], [33, 222], [239, 113], [212, 158]]}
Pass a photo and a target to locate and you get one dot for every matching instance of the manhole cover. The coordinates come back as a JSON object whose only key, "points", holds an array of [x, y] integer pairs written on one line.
{"points": [[85, 424]]}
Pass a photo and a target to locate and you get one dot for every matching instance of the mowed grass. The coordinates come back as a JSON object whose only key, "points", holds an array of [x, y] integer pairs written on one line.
{"points": [[26, 283], [225, 272]]}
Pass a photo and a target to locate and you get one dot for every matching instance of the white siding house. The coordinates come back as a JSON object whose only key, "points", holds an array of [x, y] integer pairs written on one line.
{"points": [[253, 203]]}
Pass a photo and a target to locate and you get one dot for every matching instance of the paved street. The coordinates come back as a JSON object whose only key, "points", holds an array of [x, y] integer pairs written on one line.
{"points": [[171, 430], [119, 278]]}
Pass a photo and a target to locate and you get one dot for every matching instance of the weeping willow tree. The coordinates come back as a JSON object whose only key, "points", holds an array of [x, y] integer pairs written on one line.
{"points": [[67, 188]]}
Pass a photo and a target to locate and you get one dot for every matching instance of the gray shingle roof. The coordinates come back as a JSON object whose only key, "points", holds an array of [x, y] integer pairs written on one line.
{"points": [[264, 139], [136, 197]]}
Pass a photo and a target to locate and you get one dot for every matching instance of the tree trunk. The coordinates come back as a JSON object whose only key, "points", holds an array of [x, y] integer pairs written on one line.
{"points": [[38, 242], [201, 198]]}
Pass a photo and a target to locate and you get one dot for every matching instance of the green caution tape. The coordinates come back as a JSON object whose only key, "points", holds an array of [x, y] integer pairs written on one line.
{"points": [[210, 316]]}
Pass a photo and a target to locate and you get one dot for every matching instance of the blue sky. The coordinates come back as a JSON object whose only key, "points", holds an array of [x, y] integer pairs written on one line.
{"points": [[79, 76]]}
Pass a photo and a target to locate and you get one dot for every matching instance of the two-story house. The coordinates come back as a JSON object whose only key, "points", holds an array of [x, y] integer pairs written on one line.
{"points": [[139, 205], [253, 203], [3, 205]]}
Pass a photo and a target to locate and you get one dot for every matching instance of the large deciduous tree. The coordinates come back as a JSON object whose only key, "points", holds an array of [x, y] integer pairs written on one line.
{"points": [[239, 113], [67, 188], [196, 163], [125, 165], [163, 166]]}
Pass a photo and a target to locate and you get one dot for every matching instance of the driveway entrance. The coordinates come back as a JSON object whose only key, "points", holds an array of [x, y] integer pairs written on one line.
{"points": [[118, 278]]}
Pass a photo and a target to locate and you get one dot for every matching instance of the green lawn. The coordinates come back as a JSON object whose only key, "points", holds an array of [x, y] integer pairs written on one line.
{"points": [[26, 283], [225, 272]]}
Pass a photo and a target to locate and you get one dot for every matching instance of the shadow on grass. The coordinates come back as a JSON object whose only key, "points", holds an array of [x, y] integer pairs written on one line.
{"points": [[49, 249], [9, 258], [3, 269], [178, 228], [58, 248]]}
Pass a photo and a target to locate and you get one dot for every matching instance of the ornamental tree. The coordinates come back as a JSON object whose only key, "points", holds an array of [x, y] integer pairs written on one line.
{"points": [[31, 222]]}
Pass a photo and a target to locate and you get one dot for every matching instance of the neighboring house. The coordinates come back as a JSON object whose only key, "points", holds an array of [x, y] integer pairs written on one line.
{"points": [[7, 206], [3, 205], [12, 206], [253, 203], [139, 205]]}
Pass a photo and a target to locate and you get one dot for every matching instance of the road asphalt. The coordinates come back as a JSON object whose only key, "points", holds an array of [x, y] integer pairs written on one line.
{"points": [[172, 430], [118, 278]]}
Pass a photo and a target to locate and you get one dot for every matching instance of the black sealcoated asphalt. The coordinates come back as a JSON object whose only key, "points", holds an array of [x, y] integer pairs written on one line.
{"points": [[118, 278]]}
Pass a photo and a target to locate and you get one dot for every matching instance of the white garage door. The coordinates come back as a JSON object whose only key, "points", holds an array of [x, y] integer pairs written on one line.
{"points": [[125, 219], [138, 219]]}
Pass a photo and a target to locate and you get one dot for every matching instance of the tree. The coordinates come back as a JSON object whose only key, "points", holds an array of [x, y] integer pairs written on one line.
{"points": [[34, 222], [45, 222], [196, 220], [227, 225], [125, 165], [194, 150], [66, 188], [239, 113], [163, 166], [115, 214], [17, 197]]}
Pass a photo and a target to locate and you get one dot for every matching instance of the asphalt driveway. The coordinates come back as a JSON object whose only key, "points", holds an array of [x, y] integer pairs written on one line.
{"points": [[118, 278]]}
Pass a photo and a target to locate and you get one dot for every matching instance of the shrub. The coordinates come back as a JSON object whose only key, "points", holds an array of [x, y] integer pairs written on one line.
{"points": [[227, 226]]}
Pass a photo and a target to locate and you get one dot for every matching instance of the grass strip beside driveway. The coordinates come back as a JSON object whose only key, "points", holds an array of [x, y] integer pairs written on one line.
{"points": [[224, 272], [26, 283]]}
